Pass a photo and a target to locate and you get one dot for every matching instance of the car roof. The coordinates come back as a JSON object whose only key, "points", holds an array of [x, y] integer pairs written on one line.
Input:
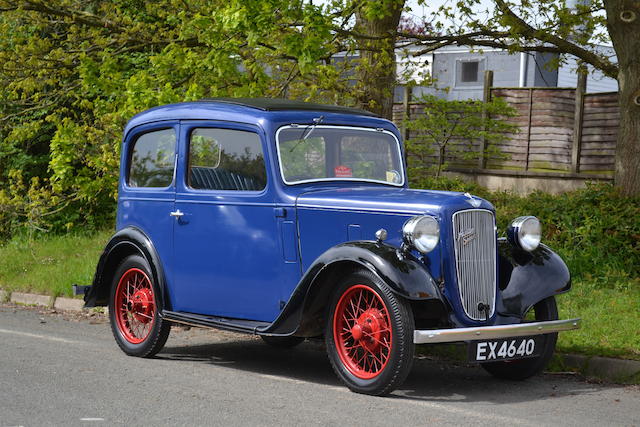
{"points": [[247, 110], [280, 104]]}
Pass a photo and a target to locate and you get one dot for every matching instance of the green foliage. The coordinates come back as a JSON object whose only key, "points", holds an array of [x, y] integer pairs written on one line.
{"points": [[452, 129], [72, 73], [595, 230], [447, 183]]}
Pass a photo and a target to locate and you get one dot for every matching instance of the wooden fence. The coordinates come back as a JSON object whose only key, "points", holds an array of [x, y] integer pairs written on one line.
{"points": [[562, 131]]}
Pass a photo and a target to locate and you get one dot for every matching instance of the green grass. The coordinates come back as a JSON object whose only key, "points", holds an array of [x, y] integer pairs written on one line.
{"points": [[610, 320], [49, 265]]}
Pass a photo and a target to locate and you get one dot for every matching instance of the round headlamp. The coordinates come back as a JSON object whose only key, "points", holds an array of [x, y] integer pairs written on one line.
{"points": [[525, 232], [422, 232]]}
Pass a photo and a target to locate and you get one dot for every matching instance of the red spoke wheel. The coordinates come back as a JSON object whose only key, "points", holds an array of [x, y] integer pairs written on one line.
{"points": [[362, 332], [134, 308], [369, 335], [525, 368]]}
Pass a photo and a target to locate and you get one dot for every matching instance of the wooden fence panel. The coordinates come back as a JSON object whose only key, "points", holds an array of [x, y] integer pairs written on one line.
{"points": [[546, 118], [599, 132]]}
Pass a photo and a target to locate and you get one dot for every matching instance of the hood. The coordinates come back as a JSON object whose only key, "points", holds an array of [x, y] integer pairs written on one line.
{"points": [[391, 200]]}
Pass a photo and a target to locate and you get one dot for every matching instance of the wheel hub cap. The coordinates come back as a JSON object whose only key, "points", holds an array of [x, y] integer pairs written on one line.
{"points": [[368, 328], [142, 305]]}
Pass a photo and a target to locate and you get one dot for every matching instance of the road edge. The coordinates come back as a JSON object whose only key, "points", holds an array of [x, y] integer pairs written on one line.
{"points": [[620, 371], [47, 301]]}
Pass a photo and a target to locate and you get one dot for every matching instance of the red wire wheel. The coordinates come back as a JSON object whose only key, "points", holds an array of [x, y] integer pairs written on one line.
{"points": [[135, 306], [362, 332]]}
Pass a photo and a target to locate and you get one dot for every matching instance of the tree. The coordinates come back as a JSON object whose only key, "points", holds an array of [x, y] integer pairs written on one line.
{"points": [[623, 24], [377, 22], [452, 128], [73, 72], [554, 27]]}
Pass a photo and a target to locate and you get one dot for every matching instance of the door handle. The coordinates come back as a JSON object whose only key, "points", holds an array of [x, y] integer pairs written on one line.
{"points": [[177, 214]]}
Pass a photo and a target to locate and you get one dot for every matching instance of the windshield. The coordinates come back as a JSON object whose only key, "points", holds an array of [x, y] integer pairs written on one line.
{"points": [[329, 153]]}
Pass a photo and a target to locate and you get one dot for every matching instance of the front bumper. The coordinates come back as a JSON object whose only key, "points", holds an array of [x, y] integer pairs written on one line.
{"points": [[494, 332]]}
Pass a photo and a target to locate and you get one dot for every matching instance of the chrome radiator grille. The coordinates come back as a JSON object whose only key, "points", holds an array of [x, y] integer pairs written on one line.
{"points": [[475, 250]]}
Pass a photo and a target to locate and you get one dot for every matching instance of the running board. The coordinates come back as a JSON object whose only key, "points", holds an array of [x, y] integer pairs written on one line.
{"points": [[234, 325]]}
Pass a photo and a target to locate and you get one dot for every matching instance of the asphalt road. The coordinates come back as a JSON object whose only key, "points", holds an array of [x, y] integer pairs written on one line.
{"points": [[60, 371]]}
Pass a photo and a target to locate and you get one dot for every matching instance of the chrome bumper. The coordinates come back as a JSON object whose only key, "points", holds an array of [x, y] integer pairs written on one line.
{"points": [[494, 332]]}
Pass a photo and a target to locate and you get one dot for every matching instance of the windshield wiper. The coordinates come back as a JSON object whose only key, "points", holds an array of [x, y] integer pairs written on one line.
{"points": [[305, 135]]}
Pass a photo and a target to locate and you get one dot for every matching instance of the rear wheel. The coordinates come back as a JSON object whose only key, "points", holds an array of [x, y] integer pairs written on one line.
{"points": [[524, 368], [369, 335], [282, 342], [134, 310]]}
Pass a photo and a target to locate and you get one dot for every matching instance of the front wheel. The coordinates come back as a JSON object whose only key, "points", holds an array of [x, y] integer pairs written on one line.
{"points": [[134, 309], [522, 369], [369, 335]]}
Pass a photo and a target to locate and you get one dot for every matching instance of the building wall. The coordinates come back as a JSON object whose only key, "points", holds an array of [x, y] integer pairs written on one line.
{"points": [[505, 67], [538, 68], [446, 73], [596, 81]]}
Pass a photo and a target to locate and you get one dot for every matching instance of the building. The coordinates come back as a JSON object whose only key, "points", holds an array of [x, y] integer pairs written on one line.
{"points": [[457, 72]]}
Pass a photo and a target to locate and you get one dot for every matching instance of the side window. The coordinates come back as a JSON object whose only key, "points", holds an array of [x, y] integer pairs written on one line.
{"points": [[153, 159], [226, 159]]}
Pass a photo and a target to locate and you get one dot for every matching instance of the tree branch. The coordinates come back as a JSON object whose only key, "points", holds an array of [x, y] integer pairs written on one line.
{"points": [[486, 37], [530, 32], [80, 17]]}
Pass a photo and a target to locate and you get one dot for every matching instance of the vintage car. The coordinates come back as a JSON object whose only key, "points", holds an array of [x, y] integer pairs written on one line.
{"points": [[292, 220]]}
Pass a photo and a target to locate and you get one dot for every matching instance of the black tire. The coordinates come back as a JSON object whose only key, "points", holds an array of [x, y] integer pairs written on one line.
{"points": [[134, 309], [282, 342], [522, 369], [367, 355]]}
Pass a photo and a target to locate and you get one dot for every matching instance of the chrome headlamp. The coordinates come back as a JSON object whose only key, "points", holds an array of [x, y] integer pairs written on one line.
{"points": [[525, 232], [422, 232]]}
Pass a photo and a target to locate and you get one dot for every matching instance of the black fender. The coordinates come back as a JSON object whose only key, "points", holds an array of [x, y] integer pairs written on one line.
{"points": [[128, 241], [529, 277], [401, 271]]}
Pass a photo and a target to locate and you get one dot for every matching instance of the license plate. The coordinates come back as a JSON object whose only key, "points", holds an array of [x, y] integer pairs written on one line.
{"points": [[505, 349]]}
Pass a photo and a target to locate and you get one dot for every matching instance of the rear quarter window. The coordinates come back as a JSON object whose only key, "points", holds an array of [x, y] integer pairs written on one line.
{"points": [[152, 160]]}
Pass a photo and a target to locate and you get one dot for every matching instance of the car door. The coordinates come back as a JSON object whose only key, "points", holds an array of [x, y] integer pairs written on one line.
{"points": [[227, 255]]}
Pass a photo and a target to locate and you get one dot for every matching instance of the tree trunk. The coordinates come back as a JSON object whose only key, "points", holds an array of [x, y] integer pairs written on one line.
{"points": [[376, 72], [441, 155], [623, 23]]}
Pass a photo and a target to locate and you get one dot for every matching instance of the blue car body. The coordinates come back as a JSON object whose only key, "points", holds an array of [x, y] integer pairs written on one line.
{"points": [[261, 260]]}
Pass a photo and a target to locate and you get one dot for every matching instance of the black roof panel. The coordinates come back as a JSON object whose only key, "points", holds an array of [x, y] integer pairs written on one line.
{"points": [[279, 104]]}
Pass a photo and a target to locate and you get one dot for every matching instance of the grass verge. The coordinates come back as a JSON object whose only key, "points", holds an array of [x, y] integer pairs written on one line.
{"points": [[596, 231], [610, 320], [49, 265]]}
